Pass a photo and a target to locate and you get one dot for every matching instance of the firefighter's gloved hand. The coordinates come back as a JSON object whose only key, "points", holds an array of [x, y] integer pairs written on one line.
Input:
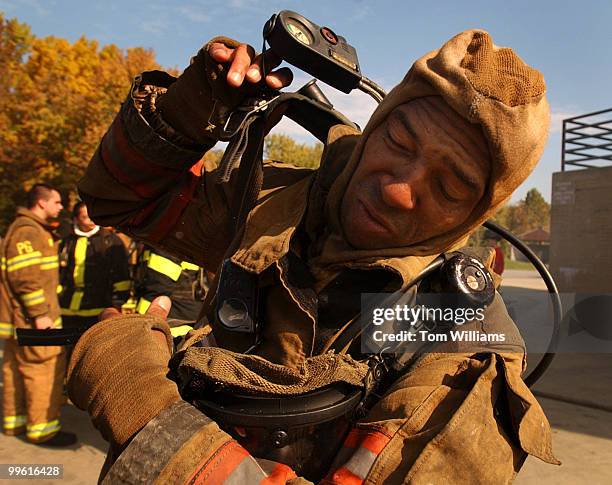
{"points": [[118, 369], [218, 79]]}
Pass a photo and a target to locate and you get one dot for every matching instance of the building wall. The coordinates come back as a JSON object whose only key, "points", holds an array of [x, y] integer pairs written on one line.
{"points": [[581, 230]]}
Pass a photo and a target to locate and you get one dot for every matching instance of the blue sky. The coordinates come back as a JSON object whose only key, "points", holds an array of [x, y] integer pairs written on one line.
{"points": [[569, 41]]}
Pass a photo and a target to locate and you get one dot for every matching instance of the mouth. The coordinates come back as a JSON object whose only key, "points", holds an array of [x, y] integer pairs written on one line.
{"points": [[374, 217]]}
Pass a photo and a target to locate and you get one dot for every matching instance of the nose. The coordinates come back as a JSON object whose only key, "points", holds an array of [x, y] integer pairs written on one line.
{"points": [[399, 193]]}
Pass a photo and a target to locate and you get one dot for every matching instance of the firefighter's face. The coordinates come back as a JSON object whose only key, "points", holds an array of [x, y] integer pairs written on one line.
{"points": [[51, 206], [82, 220], [421, 173]]}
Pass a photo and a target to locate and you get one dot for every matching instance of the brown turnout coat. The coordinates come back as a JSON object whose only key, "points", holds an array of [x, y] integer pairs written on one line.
{"points": [[29, 274]]}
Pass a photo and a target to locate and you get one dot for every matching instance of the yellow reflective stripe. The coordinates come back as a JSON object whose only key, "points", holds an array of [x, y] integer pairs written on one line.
{"points": [[189, 266], [33, 298], [129, 305], [180, 331], [34, 302], [13, 422], [142, 306], [32, 295], [75, 301], [80, 253], [49, 262], [6, 329], [22, 261], [41, 430], [122, 285], [88, 312], [165, 266], [22, 257]]}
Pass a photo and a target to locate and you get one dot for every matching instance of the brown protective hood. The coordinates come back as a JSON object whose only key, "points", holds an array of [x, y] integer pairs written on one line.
{"points": [[487, 85]]}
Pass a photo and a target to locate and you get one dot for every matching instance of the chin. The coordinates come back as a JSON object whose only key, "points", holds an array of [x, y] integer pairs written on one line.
{"points": [[358, 238]]}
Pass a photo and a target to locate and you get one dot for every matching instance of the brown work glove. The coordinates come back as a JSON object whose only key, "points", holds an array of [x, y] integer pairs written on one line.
{"points": [[218, 79], [118, 369]]}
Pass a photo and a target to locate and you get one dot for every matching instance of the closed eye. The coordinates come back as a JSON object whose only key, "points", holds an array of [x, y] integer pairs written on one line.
{"points": [[394, 142], [446, 195]]}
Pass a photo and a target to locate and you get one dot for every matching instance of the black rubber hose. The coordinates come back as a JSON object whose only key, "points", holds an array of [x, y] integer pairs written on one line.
{"points": [[546, 360]]}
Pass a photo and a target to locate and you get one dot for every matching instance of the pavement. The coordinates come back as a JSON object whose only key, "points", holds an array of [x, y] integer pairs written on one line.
{"points": [[575, 392]]}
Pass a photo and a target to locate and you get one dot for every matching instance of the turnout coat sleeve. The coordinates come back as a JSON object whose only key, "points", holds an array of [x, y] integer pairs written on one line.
{"points": [[152, 182]]}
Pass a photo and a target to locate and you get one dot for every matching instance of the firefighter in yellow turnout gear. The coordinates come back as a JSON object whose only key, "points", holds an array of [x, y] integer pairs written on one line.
{"points": [[33, 376]]}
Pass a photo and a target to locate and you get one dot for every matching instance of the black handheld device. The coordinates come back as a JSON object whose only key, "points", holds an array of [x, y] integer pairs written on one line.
{"points": [[319, 51], [316, 50]]}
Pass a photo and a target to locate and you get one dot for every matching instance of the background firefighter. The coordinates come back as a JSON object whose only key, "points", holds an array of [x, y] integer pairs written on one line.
{"points": [[94, 271], [33, 376]]}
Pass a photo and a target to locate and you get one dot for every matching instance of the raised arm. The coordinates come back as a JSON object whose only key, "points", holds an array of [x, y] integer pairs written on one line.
{"points": [[146, 176]]}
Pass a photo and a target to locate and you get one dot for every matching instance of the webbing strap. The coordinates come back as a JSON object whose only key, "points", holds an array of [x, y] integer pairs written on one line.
{"points": [[247, 145]]}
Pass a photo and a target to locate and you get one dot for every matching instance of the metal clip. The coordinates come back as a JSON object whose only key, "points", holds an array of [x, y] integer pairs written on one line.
{"points": [[246, 111]]}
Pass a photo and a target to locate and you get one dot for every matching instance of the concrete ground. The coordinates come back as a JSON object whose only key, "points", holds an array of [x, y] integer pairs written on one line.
{"points": [[582, 427]]}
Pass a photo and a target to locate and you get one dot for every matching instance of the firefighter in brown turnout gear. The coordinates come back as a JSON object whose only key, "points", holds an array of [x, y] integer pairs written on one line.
{"points": [[33, 376], [94, 272], [443, 151]]}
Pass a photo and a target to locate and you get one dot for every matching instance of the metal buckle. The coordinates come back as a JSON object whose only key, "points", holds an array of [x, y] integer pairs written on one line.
{"points": [[246, 111]]}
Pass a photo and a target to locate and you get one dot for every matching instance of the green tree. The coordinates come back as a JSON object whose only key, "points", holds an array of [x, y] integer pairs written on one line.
{"points": [[536, 210], [283, 148]]}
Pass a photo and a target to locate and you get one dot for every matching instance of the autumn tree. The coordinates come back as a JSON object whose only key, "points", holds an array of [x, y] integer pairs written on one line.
{"points": [[57, 98]]}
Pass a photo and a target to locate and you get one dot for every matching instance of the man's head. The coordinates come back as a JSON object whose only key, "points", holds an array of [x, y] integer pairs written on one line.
{"points": [[45, 201], [80, 217], [443, 151], [421, 171]]}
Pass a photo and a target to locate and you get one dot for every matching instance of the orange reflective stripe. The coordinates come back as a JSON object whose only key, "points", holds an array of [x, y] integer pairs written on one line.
{"points": [[373, 441], [216, 468], [359, 452], [342, 476], [280, 475]]}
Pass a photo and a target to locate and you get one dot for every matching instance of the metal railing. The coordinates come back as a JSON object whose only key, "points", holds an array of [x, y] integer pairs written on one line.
{"points": [[587, 138]]}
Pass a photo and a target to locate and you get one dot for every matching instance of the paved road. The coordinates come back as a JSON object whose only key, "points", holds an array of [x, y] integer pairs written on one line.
{"points": [[582, 435]]}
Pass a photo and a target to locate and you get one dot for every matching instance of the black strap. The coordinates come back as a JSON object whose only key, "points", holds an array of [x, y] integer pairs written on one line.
{"points": [[64, 336]]}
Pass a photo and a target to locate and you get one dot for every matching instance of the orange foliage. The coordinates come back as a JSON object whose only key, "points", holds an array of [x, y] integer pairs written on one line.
{"points": [[56, 100]]}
